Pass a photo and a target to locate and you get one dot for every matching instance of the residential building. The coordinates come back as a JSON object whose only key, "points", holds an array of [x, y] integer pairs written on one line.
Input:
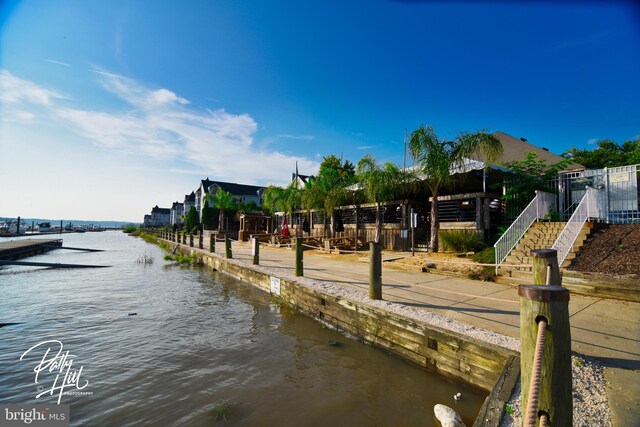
{"points": [[177, 212], [240, 193], [159, 217], [189, 201]]}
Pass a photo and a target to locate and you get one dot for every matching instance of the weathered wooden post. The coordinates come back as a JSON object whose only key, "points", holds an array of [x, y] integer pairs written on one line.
{"points": [[227, 247], [299, 265], [547, 304], [375, 271], [212, 242], [255, 250], [200, 240], [184, 238], [542, 258]]}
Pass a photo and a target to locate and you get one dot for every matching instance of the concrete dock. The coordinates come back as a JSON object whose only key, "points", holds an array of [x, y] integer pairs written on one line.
{"points": [[18, 249]]}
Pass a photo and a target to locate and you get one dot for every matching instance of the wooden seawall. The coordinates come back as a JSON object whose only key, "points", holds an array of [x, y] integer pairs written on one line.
{"points": [[18, 249], [472, 361]]}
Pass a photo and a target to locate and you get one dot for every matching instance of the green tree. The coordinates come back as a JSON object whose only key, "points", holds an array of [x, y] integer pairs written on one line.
{"points": [[527, 176], [607, 154], [436, 157], [278, 199], [380, 183], [329, 189], [222, 200], [191, 223], [208, 216]]}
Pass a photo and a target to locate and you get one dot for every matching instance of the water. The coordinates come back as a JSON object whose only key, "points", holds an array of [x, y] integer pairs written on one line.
{"points": [[200, 342]]}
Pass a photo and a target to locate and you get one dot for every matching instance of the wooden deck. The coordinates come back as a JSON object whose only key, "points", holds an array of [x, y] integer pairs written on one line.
{"points": [[18, 249]]}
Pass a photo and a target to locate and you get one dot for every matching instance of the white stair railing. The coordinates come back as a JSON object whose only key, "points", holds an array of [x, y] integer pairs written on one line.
{"points": [[591, 206], [538, 208]]}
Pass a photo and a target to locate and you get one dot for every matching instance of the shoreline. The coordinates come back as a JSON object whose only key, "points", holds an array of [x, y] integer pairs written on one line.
{"points": [[588, 379]]}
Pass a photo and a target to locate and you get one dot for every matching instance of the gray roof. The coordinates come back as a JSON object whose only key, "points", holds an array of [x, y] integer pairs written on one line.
{"points": [[190, 197], [233, 188], [161, 211]]}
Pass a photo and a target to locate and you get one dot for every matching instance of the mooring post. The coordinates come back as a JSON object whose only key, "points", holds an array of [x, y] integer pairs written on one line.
{"points": [[255, 250], [550, 304], [375, 271], [191, 240], [200, 240], [542, 259], [212, 242], [299, 264], [227, 247]]}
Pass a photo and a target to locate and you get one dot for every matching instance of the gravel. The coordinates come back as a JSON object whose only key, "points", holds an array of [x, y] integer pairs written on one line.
{"points": [[590, 404]]}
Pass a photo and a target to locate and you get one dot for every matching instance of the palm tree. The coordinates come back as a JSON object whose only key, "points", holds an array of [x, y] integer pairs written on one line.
{"points": [[282, 199], [436, 158], [221, 200], [380, 183], [330, 188]]}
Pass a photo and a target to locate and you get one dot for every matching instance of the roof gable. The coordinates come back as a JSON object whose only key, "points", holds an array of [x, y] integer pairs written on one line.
{"points": [[515, 149]]}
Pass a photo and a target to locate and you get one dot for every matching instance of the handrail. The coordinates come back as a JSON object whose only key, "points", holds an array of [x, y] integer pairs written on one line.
{"points": [[590, 206], [541, 204]]}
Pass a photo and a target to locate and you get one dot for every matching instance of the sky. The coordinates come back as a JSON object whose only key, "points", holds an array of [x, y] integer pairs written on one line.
{"points": [[108, 108]]}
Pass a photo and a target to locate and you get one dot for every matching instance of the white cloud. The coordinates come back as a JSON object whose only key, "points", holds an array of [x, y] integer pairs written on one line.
{"points": [[161, 124], [14, 90], [364, 147], [593, 141], [53, 61]]}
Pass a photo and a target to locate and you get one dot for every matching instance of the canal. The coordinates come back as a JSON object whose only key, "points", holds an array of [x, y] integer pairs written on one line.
{"points": [[160, 344]]}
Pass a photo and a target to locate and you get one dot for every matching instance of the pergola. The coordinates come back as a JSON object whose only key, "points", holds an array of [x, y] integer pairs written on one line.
{"points": [[253, 223]]}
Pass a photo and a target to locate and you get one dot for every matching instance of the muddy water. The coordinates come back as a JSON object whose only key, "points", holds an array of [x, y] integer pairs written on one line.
{"points": [[165, 345]]}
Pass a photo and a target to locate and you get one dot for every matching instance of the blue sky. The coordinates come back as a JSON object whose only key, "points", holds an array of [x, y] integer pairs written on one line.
{"points": [[108, 108]]}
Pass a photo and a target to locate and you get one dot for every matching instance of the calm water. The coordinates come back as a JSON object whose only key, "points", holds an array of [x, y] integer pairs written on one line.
{"points": [[199, 341]]}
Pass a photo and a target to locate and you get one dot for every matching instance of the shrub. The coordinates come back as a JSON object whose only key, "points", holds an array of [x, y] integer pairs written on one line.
{"points": [[461, 240], [130, 228], [486, 256]]}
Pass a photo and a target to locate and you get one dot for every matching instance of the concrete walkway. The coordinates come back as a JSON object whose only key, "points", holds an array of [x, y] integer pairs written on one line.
{"points": [[605, 329]]}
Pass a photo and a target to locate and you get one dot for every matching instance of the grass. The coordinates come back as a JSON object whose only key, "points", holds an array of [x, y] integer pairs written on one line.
{"points": [[461, 240], [145, 259], [222, 411], [190, 259], [179, 258], [486, 256]]}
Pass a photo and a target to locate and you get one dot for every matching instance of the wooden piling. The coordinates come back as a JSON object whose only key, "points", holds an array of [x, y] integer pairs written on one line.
{"points": [[191, 240], [375, 271], [227, 247], [200, 241], [212, 243], [541, 259], [551, 303], [299, 251], [255, 250]]}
